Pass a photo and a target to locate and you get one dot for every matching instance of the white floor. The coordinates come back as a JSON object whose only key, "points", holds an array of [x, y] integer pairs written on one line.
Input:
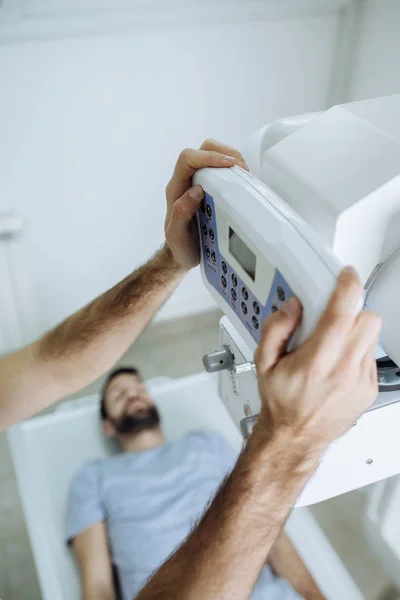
{"points": [[174, 350]]}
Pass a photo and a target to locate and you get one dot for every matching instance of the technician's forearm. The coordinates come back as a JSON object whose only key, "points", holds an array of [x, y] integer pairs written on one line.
{"points": [[89, 342], [223, 556], [86, 344], [286, 563]]}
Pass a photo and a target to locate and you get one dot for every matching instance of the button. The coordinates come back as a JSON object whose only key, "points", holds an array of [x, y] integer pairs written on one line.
{"points": [[256, 308], [233, 294], [244, 308], [224, 281], [208, 210], [255, 322], [213, 256], [274, 308], [245, 293], [224, 267], [211, 234], [207, 252], [203, 206], [205, 229], [281, 293], [234, 280]]}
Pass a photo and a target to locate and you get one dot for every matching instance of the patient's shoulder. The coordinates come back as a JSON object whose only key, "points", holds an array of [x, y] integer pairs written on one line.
{"points": [[214, 444], [209, 438], [88, 474]]}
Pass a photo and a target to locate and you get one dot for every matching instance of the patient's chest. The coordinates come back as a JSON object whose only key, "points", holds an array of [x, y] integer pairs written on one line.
{"points": [[152, 499]]}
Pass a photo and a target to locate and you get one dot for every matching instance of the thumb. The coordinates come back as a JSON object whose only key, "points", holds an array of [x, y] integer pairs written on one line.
{"points": [[184, 209], [276, 333]]}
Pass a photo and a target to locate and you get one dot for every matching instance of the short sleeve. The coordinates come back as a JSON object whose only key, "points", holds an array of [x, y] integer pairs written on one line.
{"points": [[223, 451], [84, 506]]}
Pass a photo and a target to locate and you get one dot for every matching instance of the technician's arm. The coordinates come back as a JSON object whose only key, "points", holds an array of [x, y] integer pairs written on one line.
{"points": [[309, 398], [92, 553], [286, 563], [89, 342]]}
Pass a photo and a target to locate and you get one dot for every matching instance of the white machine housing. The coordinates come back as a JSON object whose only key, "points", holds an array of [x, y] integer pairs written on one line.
{"points": [[253, 259], [324, 191]]}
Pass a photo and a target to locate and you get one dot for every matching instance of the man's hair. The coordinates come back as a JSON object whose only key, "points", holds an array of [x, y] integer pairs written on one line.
{"points": [[112, 375]]}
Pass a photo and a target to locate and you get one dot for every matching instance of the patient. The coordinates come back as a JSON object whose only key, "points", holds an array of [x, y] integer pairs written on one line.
{"points": [[128, 512]]}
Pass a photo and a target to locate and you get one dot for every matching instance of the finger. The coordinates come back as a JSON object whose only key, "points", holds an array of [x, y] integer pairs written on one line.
{"points": [[373, 374], [365, 333], [368, 363], [216, 146], [188, 163], [276, 333], [186, 207], [341, 312]]}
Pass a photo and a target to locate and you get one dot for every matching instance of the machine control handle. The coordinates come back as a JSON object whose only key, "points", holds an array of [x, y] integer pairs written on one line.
{"points": [[246, 426], [222, 359], [218, 360]]}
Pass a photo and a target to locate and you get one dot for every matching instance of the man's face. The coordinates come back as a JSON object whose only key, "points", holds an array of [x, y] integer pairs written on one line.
{"points": [[129, 407]]}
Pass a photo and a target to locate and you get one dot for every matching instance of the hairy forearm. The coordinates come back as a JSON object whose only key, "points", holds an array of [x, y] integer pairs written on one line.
{"points": [[223, 556], [93, 339], [87, 343], [286, 563]]}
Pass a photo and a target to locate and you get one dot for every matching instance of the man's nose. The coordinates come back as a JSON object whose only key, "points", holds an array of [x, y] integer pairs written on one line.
{"points": [[130, 400]]}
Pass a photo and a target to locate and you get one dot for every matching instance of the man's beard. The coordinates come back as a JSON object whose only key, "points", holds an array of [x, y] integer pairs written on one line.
{"points": [[143, 420]]}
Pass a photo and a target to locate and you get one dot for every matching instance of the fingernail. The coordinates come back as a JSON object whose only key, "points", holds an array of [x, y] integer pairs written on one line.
{"points": [[196, 192], [246, 166], [290, 307], [228, 159]]}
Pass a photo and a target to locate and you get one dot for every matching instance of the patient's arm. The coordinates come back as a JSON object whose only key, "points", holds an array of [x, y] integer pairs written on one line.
{"points": [[89, 342], [91, 550], [285, 562]]}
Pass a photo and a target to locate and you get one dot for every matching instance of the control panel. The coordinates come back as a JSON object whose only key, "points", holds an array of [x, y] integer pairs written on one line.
{"points": [[225, 279]]}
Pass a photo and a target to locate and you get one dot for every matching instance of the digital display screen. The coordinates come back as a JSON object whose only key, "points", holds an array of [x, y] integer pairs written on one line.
{"points": [[245, 257]]}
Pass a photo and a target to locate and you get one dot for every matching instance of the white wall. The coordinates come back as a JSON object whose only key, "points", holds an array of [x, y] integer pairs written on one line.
{"points": [[376, 70], [91, 128]]}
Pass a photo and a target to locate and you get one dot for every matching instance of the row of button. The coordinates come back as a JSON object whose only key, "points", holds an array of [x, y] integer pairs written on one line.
{"points": [[245, 294], [210, 253], [206, 208], [209, 232]]}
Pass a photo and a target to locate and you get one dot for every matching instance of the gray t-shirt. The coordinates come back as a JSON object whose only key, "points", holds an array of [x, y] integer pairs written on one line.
{"points": [[150, 501]]}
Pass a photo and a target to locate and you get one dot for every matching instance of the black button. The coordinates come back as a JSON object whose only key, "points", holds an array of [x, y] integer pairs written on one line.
{"points": [[203, 207], [213, 256], [207, 252], [281, 293], [244, 308], [211, 234], [245, 293], [255, 323], [274, 308], [233, 294], [234, 280], [224, 267], [208, 210], [224, 281], [205, 229], [256, 308]]}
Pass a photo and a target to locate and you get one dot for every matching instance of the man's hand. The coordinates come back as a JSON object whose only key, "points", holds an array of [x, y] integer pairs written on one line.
{"points": [[183, 200], [315, 393], [309, 397]]}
